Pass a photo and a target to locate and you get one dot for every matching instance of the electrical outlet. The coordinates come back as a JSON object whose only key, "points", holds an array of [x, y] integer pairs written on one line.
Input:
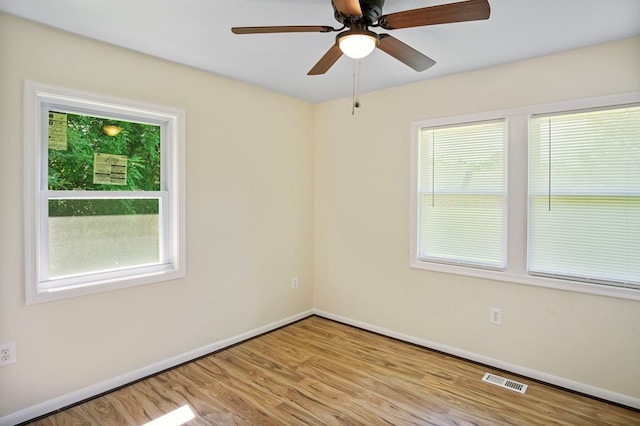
{"points": [[294, 283], [7, 353], [495, 316]]}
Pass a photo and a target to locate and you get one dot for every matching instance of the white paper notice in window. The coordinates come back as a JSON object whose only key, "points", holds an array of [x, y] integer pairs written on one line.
{"points": [[109, 169]]}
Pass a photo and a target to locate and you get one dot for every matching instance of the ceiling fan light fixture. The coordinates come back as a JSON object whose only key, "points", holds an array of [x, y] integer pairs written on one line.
{"points": [[357, 44]]}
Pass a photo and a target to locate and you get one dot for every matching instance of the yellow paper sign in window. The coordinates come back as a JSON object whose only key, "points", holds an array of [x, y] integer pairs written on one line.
{"points": [[109, 169], [57, 131]]}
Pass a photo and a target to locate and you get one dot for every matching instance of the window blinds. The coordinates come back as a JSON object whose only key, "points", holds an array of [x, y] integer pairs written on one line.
{"points": [[584, 195], [462, 185]]}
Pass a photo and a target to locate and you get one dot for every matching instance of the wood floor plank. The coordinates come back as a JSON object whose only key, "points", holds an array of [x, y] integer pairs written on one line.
{"points": [[319, 372], [364, 399]]}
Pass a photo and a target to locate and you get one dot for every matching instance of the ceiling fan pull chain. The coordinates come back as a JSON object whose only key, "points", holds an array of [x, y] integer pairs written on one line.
{"points": [[353, 90], [357, 103], [357, 67]]}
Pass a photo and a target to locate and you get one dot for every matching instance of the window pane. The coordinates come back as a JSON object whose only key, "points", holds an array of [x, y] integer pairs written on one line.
{"points": [[101, 154], [89, 235], [469, 229], [584, 200], [462, 194]]}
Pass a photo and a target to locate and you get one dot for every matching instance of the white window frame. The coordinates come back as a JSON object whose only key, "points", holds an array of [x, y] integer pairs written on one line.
{"points": [[435, 124], [38, 98], [517, 197]]}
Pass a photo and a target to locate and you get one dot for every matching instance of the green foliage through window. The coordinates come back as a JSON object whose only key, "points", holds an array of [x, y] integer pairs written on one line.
{"points": [[71, 165]]}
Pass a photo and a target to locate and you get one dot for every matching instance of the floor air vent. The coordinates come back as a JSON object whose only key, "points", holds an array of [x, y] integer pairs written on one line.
{"points": [[504, 383]]}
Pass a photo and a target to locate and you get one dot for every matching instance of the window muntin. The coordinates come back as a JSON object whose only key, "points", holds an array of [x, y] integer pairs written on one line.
{"points": [[106, 210], [462, 193], [584, 195]]}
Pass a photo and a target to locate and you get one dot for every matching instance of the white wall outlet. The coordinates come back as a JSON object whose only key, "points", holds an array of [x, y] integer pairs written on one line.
{"points": [[7, 353], [495, 316], [294, 283]]}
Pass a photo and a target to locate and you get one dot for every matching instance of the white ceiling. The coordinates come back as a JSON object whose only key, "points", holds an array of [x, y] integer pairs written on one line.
{"points": [[197, 33]]}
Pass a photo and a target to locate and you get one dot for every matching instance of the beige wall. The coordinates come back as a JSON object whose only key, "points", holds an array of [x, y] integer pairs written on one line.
{"points": [[249, 219], [362, 227]]}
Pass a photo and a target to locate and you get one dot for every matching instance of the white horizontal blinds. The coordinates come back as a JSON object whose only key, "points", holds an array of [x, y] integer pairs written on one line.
{"points": [[584, 195], [462, 194]]}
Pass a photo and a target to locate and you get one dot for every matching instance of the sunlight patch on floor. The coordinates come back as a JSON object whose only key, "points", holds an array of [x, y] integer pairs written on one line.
{"points": [[176, 417]]}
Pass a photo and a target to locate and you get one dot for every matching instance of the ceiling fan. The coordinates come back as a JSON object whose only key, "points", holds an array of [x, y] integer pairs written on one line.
{"points": [[356, 40]]}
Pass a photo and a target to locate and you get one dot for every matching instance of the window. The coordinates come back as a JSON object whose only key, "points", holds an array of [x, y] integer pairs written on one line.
{"points": [[105, 193], [462, 184], [559, 208], [584, 195]]}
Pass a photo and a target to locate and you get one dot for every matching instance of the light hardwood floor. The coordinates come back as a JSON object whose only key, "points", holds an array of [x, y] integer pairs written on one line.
{"points": [[319, 372]]}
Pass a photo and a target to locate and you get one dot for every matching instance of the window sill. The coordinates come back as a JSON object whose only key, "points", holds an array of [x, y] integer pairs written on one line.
{"points": [[521, 278], [47, 295]]}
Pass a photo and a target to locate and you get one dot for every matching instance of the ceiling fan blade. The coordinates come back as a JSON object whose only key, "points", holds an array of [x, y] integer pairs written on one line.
{"points": [[327, 61], [348, 7], [470, 10], [404, 53], [282, 29]]}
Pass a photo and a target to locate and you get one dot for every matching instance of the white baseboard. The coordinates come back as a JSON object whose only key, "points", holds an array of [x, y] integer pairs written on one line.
{"points": [[583, 388], [62, 401]]}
